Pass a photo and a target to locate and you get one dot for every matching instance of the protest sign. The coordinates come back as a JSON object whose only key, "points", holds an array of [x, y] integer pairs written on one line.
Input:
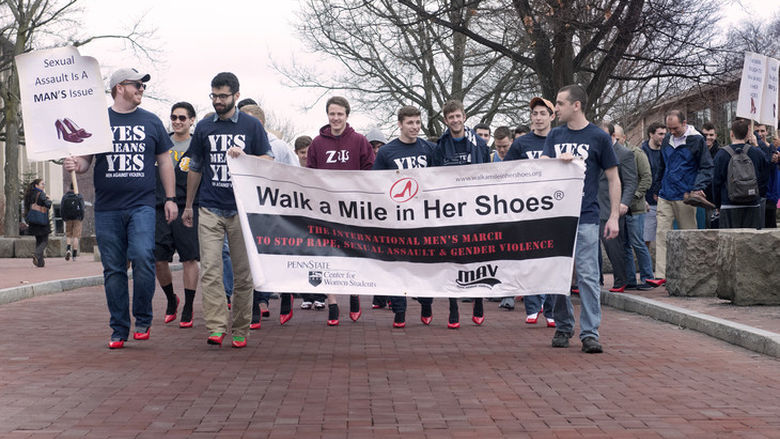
{"points": [[496, 229], [751, 86], [64, 106], [769, 97]]}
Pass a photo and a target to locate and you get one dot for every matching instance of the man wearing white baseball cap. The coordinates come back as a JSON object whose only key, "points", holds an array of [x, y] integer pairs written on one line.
{"points": [[125, 182]]}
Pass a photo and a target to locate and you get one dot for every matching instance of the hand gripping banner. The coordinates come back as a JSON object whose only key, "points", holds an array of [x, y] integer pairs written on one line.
{"points": [[497, 229]]}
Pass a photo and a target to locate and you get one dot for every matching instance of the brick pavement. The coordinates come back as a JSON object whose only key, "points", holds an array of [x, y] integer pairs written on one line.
{"points": [[364, 379]]}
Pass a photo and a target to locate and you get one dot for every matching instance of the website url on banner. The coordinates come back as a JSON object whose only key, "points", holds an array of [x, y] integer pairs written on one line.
{"points": [[504, 176]]}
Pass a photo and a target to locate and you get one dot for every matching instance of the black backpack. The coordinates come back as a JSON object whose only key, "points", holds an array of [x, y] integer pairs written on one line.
{"points": [[741, 181], [72, 207]]}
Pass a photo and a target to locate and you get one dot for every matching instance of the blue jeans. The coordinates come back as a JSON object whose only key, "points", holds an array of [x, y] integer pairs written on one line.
{"points": [[537, 302], [587, 270], [124, 235], [635, 226], [227, 269]]}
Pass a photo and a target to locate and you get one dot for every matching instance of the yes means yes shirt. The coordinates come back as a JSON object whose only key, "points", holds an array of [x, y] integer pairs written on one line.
{"points": [[126, 177], [595, 147]]}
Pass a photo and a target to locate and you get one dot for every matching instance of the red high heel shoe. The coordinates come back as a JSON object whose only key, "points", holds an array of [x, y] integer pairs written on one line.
{"points": [[354, 302], [171, 317], [116, 344], [455, 325], [62, 133], [255, 326], [478, 320], [333, 322], [81, 132], [184, 324], [399, 325], [216, 338], [284, 318], [142, 335], [426, 320]]}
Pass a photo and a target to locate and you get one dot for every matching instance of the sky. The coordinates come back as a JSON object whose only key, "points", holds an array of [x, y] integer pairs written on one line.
{"points": [[197, 39]]}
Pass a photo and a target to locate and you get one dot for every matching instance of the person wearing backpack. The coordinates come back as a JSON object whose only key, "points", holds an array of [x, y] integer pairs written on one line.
{"points": [[739, 180], [72, 212]]}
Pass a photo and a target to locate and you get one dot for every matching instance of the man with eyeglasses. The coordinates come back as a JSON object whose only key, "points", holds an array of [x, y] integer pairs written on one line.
{"points": [[175, 237], [125, 182], [227, 132]]}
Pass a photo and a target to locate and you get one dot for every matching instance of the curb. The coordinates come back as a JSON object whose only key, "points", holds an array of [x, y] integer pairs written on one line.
{"points": [[15, 294], [748, 337]]}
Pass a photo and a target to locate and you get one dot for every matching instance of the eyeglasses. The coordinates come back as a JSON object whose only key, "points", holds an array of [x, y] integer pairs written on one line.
{"points": [[220, 97], [137, 84], [181, 117]]}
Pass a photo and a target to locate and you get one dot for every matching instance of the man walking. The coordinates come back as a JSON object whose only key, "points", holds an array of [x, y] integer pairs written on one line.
{"points": [[124, 182], [580, 139], [227, 132]]}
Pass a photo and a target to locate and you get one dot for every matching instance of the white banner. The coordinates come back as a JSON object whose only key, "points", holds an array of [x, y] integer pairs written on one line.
{"points": [[497, 229], [769, 98], [64, 106], [751, 86]]}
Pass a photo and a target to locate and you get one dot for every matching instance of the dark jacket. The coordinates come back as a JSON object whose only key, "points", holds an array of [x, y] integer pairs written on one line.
{"points": [[644, 178], [685, 168], [654, 158], [43, 201], [628, 182], [720, 174], [444, 153]]}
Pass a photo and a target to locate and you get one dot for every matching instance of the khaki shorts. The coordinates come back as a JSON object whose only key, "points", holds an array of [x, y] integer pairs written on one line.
{"points": [[73, 228]]}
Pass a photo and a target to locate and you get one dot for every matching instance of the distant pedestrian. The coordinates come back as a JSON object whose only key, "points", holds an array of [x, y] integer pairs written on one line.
{"points": [[37, 205], [72, 212]]}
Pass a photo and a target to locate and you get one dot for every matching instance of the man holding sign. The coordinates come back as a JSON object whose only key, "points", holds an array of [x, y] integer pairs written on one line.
{"points": [[125, 180]]}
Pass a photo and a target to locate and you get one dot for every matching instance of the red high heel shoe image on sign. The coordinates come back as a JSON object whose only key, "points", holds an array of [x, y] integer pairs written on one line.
{"points": [[81, 132], [63, 133]]}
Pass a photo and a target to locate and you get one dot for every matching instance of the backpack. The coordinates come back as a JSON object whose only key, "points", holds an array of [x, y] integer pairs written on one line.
{"points": [[741, 181], [72, 207]]}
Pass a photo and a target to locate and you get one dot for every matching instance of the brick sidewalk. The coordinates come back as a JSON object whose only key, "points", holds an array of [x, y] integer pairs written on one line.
{"points": [[20, 271], [364, 379]]}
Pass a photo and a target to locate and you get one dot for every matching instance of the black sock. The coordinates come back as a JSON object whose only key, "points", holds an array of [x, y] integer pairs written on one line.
{"points": [[354, 303], [256, 306], [478, 310], [186, 311], [285, 307], [400, 317], [333, 311], [75, 252], [168, 290], [454, 316], [68, 247], [426, 309]]}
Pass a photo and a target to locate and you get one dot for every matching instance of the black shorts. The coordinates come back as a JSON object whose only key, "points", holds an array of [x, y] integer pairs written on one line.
{"points": [[176, 237]]}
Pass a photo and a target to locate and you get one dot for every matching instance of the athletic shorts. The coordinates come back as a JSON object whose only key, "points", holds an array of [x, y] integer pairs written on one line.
{"points": [[175, 237], [651, 224], [73, 228]]}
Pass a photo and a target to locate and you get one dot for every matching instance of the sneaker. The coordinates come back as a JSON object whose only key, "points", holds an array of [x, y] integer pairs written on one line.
{"points": [[644, 287], [507, 303], [319, 305], [591, 346], [306, 305], [560, 340]]}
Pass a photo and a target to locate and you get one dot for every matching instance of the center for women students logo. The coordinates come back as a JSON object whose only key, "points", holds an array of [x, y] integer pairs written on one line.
{"points": [[404, 190]]}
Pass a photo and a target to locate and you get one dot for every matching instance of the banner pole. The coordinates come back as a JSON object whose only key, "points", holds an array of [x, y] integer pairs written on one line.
{"points": [[74, 181]]}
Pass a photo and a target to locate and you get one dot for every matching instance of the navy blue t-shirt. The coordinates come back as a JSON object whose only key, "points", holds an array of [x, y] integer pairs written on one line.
{"points": [[208, 155], [528, 146], [126, 177], [595, 146], [400, 155]]}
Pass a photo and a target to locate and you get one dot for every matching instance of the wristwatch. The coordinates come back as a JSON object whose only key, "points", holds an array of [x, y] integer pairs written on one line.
{"points": [[170, 199]]}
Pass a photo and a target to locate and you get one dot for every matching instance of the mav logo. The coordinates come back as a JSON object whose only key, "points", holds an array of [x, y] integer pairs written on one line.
{"points": [[483, 275]]}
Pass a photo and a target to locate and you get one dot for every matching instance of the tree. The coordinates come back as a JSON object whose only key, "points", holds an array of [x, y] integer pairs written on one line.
{"points": [[389, 58], [22, 23]]}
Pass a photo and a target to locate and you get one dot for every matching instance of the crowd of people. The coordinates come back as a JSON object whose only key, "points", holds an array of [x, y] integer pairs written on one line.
{"points": [[632, 195]]}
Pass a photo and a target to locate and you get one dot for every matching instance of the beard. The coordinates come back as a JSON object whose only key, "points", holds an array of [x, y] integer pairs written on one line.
{"points": [[225, 108]]}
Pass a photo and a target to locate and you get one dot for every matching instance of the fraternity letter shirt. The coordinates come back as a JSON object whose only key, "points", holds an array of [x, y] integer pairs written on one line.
{"points": [[126, 177], [594, 146]]}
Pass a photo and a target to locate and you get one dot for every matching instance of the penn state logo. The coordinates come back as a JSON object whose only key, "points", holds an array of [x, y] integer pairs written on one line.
{"points": [[484, 275], [315, 278]]}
